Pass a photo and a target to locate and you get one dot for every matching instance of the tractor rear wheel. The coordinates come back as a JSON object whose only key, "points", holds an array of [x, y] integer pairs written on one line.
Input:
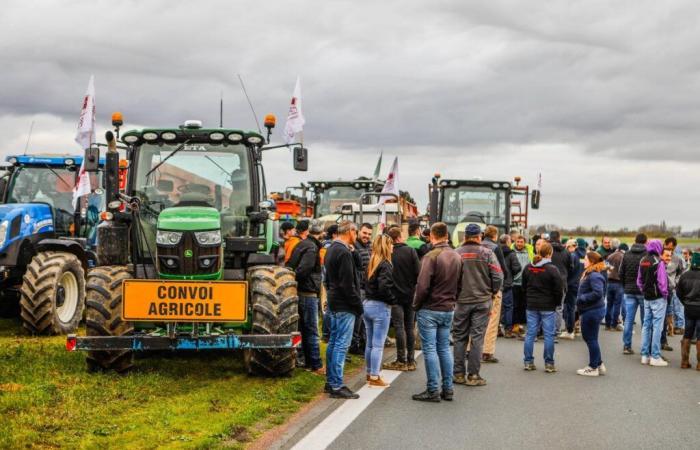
{"points": [[104, 317], [52, 293], [275, 311]]}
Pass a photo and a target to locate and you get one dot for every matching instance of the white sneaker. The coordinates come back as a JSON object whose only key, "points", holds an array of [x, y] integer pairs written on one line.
{"points": [[571, 336], [645, 360], [588, 372], [602, 369], [657, 362]]}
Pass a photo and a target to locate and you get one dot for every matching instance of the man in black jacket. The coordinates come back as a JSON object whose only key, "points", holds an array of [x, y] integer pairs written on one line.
{"points": [[344, 304], [406, 267], [564, 262], [362, 253], [633, 298], [306, 263], [513, 267]]}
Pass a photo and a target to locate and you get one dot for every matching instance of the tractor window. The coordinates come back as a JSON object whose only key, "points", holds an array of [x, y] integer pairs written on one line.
{"points": [[331, 199], [216, 176], [463, 201]]}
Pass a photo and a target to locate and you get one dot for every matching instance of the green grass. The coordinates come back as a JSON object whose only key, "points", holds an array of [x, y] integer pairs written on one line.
{"points": [[49, 400]]}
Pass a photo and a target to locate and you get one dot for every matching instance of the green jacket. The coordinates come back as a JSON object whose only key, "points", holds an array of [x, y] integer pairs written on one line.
{"points": [[417, 244]]}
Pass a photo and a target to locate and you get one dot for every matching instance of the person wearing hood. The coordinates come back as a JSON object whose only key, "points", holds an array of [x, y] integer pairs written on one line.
{"points": [[615, 291], [591, 305], [544, 289], [564, 263], [688, 291], [577, 250], [652, 281], [633, 297]]}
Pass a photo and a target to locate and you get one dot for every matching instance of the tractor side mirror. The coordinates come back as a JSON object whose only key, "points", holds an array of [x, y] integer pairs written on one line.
{"points": [[92, 159], [535, 199], [301, 159], [165, 185]]}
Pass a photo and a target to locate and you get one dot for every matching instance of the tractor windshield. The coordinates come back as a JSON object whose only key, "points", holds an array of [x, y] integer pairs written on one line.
{"points": [[463, 201], [331, 199], [197, 175]]}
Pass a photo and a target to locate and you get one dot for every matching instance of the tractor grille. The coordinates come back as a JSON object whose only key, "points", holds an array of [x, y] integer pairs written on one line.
{"points": [[176, 260]]}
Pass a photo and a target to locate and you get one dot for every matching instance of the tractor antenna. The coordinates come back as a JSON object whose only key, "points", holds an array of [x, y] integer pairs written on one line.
{"points": [[221, 110], [255, 116], [29, 137]]}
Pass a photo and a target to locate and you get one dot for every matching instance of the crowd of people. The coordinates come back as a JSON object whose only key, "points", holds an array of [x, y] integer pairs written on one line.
{"points": [[461, 299]]}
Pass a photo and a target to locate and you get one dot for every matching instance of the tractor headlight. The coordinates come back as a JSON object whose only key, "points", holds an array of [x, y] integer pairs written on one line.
{"points": [[168, 237], [3, 233], [208, 237]]}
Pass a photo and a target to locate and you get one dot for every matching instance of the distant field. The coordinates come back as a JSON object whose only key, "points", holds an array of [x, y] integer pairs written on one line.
{"points": [[682, 242], [48, 400]]}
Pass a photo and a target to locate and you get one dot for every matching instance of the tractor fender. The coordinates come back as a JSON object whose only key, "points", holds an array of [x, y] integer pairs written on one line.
{"points": [[65, 245], [26, 221]]}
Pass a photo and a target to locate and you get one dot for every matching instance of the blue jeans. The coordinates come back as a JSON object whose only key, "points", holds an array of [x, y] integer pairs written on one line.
{"points": [[308, 324], [548, 320], [615, 294], [434, 329], [507, 309], [570, 308], [342, 324], [654, 316], [377, 317], [678, 312], [590, 326], [632, 301]]}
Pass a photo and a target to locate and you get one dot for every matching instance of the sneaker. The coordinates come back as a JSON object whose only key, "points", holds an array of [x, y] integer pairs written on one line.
{"points": [[588, 372], [550, 368], [459, 379], [488, 358], [378, 381], [666, 347], [602, 369], [344, 392], [529, 366], [619, 327], [567, 335], [475, 380], [627, 351], [645, 360], [447, 395], [395, 365], [657, 362], [411, 366], [427, 396]]}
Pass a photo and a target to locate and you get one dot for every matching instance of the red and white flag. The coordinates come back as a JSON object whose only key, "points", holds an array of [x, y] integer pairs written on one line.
{"points": [[391, 186], [295, 118], [85, 136]]}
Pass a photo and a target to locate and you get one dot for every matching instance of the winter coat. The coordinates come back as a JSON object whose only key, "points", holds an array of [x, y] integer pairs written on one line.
{"points": [[577, 268], [482, 277], [524, 258], [512, 267], [674, 269], [543, 285], [406, 269], [629, 268], [364, 252], [562, 261], [652, 279], [496, 249], [591, 292], [688, 291], [615, 261], [602, 251], [343, 279], [418, 245], [438, 280], [306, 263], [380, 286]]}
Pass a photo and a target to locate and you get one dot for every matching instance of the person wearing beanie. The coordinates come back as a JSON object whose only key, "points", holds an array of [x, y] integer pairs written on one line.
{"points": [[652, 281], [591, 304], [688, 291]]}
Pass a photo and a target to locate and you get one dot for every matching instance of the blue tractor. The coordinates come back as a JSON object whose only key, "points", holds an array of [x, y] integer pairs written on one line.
{"points": [[46, 244]]}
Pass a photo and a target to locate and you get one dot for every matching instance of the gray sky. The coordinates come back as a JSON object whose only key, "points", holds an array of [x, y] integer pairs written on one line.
{"points": [[602, 98]]}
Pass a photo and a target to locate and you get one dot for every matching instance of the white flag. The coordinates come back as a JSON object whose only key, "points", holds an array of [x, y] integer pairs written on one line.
{"points": [[295, 118], [391, 186], [85, 136]]}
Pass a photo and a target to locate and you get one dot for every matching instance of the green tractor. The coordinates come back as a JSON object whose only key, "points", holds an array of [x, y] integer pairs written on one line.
{"points": [[184, 257]]}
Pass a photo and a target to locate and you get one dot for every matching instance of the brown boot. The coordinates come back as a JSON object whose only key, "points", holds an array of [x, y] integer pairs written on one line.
{"points": [[697, 346], [685, 353]]}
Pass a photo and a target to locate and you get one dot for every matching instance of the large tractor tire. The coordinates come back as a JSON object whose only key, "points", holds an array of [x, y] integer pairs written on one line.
{"points": [[52, 294], [273, 294], [104, 317]]}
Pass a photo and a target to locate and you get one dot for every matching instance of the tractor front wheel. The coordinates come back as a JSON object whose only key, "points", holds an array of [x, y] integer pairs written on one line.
{"points": [[52, 293], [104, 317], [275, 311]]}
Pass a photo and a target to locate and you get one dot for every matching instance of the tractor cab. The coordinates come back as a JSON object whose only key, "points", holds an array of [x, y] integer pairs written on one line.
{"points": [[330, 196]]}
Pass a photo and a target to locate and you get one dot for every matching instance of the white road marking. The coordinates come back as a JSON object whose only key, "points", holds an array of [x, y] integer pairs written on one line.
{"points": [[332, 426]]}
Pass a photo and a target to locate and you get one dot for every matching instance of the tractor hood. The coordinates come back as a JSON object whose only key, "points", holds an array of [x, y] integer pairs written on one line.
{"points": [[20, 220], [189, 218]]}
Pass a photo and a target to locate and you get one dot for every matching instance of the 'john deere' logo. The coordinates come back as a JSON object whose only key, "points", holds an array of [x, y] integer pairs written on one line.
{"points": [[188, 253]]}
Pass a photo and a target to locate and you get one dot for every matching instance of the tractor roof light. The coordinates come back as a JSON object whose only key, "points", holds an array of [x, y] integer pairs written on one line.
{"points": [[217, 136], [254, 139], [236, 138], [117, 119], [168, 136], [192, 124], [69, 161], [12, 160], [131, 138], [150, 136], [506, 185], [270, 121]]}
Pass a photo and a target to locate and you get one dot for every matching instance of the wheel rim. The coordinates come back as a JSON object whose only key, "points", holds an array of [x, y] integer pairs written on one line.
{"points": [[66, 297]]}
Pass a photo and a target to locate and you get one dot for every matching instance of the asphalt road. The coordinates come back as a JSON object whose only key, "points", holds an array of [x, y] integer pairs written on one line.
{"points": [[633, 406]]}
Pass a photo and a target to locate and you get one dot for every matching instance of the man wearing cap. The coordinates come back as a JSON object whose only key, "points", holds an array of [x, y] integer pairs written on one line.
{"points": [[481, 280], [305, 260]]}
